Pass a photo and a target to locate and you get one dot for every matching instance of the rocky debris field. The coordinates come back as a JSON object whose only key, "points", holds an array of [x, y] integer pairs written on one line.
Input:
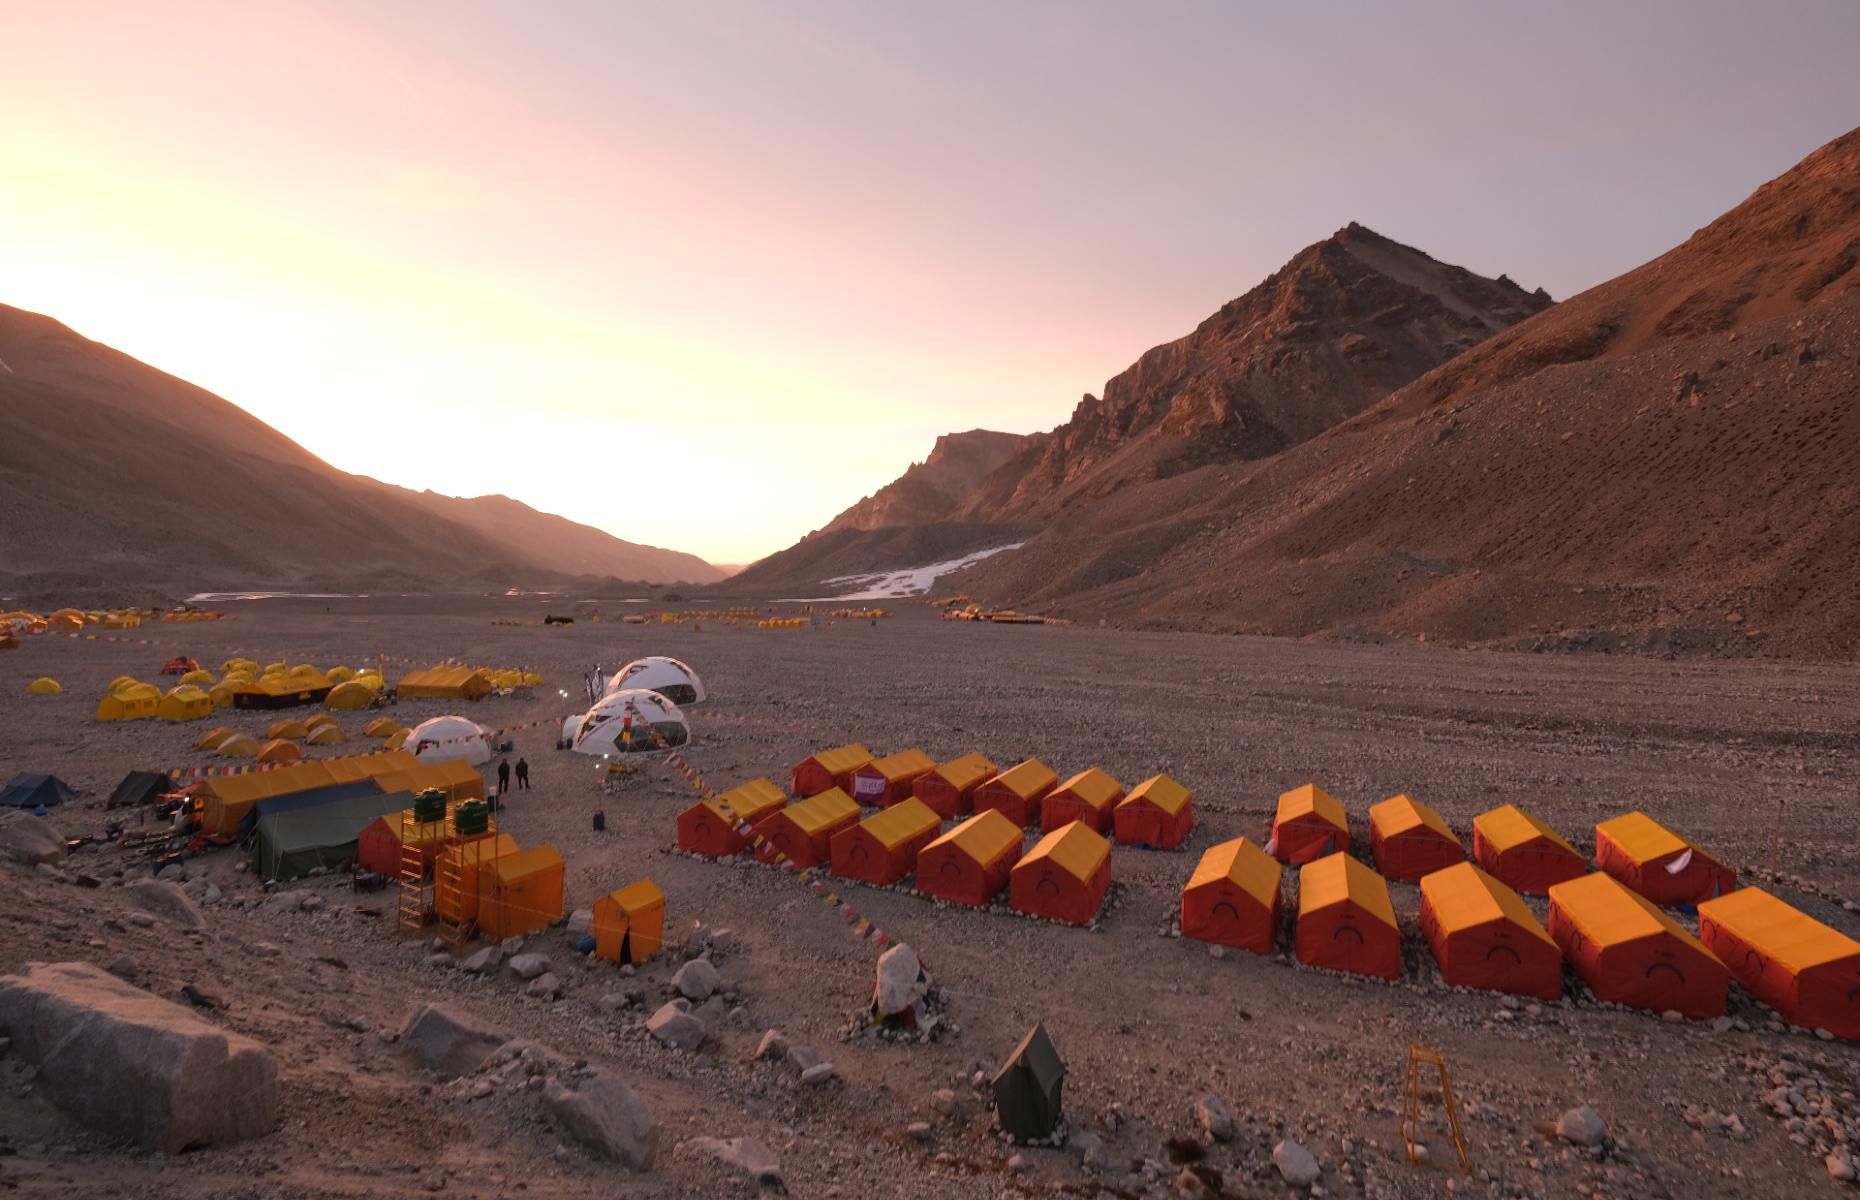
{"points": [[736, 1061]]}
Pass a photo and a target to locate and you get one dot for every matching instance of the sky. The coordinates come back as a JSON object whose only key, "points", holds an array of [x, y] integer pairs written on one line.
{"points": [[772, 250]]}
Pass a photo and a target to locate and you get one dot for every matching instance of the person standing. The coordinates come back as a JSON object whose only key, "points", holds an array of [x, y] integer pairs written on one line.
{"points": [[523, 775], [503, 776]]}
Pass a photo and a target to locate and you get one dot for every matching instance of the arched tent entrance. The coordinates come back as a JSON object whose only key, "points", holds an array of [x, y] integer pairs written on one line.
{"points": [[1409, 840], [970, 864], [1522, 852], [1483, 936], [1345, 920], [1233, 898]]}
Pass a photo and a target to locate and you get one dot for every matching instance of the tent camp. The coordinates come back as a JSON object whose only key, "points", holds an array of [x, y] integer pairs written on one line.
{"points": [[1345, 920], [971, 863], [465, 862], [211, 739], [444, 683], [803, 832], [308, 798], [1088, 797], [458, 779], [280, 691], [1629, 952], [1658, 863], [226, 799], [1064, 877], [710, 827], [666, 676], [829, 769], [238, 745], [1158, 813], [280, 752], [885, 781], [1801, 968], [1409, 840], [1233, 898], [184, 703], [132, 702], [883, 848], [326, 735], [290, 844], [1522, 852], [1483, 936], [31, 789], [290, 729], [1016, 792], [138, 788], [618, 724], [349, 696], [448, 738], [949, 788], [629, 923], [1027, 1089], [520, 893], [1309, 824]]}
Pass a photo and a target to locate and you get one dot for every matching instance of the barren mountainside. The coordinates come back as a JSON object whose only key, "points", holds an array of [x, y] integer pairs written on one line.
{"points": [[937, 488]]}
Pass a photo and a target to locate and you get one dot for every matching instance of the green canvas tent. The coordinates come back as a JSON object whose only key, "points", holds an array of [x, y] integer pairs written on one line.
{"points": [[289, 844], [1027, 1089]]}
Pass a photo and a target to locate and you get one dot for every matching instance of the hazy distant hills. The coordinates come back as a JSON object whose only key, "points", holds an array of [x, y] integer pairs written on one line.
{"points": [[115, 476]]}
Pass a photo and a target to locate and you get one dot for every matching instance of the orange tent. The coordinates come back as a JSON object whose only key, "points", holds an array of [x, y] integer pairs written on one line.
{"points": [[1631, 953], [710, 826], [1801, 968], [1016, 792], [1658, 863], [520, 893], [378, 846], [950, 787], [1523, 852], [629, 924], [970, 863], [1345, 920], [803, 832], [469, 859], [829, 769], [883, 848], [280, 751], [1409, 840], [1064, 877], [1158, 813], [1233, 897], [885, 781], [1309, 824], [1088, 796], [1483, 936]]}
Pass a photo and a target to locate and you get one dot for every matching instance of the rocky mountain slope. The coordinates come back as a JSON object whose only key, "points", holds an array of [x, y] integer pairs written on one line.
{"points": [[936, 489]]}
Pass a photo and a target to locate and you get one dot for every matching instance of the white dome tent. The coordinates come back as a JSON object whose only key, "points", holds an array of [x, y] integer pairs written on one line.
{"points": [[442, 739], [603, 726], [666, 676]]}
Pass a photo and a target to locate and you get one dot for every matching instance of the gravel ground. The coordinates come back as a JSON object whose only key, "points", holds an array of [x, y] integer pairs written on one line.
{"points": [[1147, 1023]]}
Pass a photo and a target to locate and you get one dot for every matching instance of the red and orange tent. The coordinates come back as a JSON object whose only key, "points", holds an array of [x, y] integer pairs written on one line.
{"points": [[710, 826], [1088, 796], [1233, 898], [1658, 863], [1016, 792], [1522, 852], [970, 864], [1158, 813], [1409, 840], [1309, 824], [1483, 936], [1064, 877], [803, 832], [1629, 952], [883, 848], [1801, 968], [949, 788], [885, 781], [1345, 920], [829, 769]]}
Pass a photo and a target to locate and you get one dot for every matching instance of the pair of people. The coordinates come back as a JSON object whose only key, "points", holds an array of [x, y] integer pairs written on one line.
{"points": [[503, 775]]}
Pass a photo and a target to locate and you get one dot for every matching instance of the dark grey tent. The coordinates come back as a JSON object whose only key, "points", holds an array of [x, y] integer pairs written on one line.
{"points": [[138, 788], [290, 844], [30, 789], [292, 801], [1027, 1089]]}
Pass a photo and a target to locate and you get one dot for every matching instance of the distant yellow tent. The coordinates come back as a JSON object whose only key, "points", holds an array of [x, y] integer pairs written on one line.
{"points": [[121, 682], [290, 729], [135, 703], [382, 727], [44, 685], [398, 738], [211, 739], [278, 750], [445, 683], [184, 703], [629, 924], [326, 735], [239, 664], [349, 696], [221, 693], [239, 745], [339, 674], [199, 679]]}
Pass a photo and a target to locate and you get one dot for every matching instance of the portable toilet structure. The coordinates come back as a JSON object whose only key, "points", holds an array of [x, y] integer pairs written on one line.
{"points": [[1016, 792], [1629, 952], [1522, 852], [1233, 898], [1483, 936], [1064, 877], [1801, 968], [1345, 920], [883, 848], [885, 781], [710, 827], [520, 893], [1409, 840], [949, 788], [1088, 797], [970, 864], [829, 769], [802, 833], [1658, 863], [1309, 824], [469, 860], [1158, 813], [629, 924]]}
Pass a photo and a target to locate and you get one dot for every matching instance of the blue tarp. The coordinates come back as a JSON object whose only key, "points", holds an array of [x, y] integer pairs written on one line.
{"points": [[29, 789]]}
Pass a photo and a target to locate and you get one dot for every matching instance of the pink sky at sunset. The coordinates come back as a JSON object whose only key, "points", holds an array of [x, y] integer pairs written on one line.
{"points": [[543, 249]]}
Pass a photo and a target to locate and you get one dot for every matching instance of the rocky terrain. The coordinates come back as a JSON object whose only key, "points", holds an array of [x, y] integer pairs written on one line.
{"points": [[402, 1070], [936, 489]]}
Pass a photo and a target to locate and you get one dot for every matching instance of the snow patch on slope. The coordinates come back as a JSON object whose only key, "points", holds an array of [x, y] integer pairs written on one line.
{"points": [[892, 585]]}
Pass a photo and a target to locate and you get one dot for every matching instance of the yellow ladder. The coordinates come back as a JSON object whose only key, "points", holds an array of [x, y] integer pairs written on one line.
{"points": [[449, 889], [1413, 1134], [415, 900]]}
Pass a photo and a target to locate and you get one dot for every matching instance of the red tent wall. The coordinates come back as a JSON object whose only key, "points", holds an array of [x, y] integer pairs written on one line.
{"points": [[859, 855], [1021, 811], [949, 802], [1142, 824], [1823, 997], [1701, 879], [1043, 888], [702, 831], [1062, 808], [1343, 937], [1307, 839], [1224, 912], [796, 845], [377, 847], [1532, 867], [1655, 972], [948, 873], [1496, 956], [1413, 853]]}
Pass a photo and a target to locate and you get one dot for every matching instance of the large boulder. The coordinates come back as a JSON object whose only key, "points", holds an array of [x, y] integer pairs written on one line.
{"points": [[442, 1040], [165, 900], [120, 1060], [602, 1113], [747, 1155], [25, 838], [696, 980], [676, 1027], [901, 981], [528, 966]]}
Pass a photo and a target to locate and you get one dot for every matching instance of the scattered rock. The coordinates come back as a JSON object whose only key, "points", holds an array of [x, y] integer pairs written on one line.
{"points": [[1582, 1127], [602, 1113], [544, 987], [676, 1028], [772, 1046], [483, 962], [25, 838], [445, 1041], [747, 1155], [901, 980], [696, 980], [818, 1075], [165, 900], [528, 966], [201, 995], [803, 1057], [124, 967], [1295, 1163], [581, 922], [1216, 1121], [1839, 1168], [918, 1131]]}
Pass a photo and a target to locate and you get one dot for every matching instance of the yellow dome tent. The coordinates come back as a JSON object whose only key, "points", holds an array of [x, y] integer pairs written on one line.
{"points": [[184, 703], [239, 664], [199, 679], [211, 739], [290, 729], [349, 696], [221, 693], [382, 727], [44, 685], [121, 682], [239, 745], [277, 750], [326, 735], [339, 674], [398, 738]]}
